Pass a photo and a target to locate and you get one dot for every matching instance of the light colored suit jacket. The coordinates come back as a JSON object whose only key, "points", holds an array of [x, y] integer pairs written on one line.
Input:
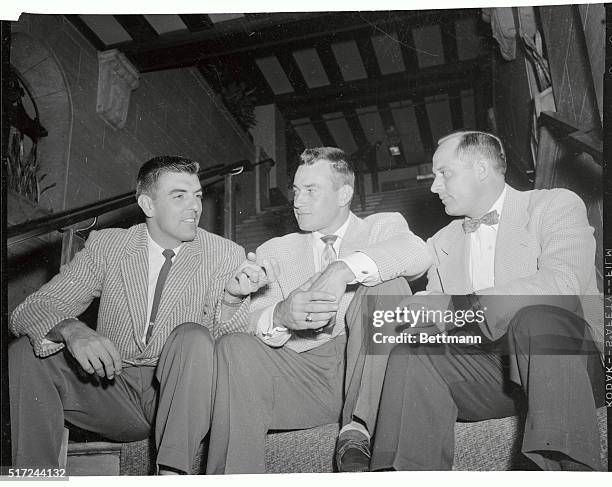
{"points": [[545, 246], [384, 237], [114, 266]]}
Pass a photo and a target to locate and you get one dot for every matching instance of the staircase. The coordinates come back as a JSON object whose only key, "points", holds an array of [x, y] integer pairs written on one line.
{"points": [[421, 208]]}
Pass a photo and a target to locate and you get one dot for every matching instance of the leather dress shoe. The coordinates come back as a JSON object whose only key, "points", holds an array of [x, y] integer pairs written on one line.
{"points": [[353, 452]]}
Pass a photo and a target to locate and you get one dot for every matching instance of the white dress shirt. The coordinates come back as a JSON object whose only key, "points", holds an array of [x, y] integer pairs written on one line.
{"points": [[156, 261], [482, 250], [362, 266]]}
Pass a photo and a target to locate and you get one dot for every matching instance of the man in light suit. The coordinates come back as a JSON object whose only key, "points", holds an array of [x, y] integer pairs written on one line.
{"points": [[536, 249], [150, 360], [290, 374]]}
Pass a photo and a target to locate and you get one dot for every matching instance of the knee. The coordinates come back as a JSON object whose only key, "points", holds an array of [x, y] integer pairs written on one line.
{"points": [[20, 350], [192, 335], [234, 347], [400, 355], [542, 319]]}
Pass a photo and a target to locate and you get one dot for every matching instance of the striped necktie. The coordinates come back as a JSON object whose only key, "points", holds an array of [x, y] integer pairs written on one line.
{"points": [[159, 286], [329, 254]]}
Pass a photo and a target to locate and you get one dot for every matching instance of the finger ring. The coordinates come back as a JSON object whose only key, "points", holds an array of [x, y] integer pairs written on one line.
{"points": [[308, 317]]}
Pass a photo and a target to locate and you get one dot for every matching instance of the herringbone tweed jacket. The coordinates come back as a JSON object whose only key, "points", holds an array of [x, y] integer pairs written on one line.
{"points": [[545, 246], [384, 237], [114, 266]]}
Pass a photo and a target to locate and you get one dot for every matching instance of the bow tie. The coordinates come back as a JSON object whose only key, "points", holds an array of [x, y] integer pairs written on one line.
{"points": [[471, 224]]}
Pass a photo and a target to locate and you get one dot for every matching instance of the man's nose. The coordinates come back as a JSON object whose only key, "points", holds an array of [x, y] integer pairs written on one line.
{"points": [[298, 200], [436, 185], [195, 204]]}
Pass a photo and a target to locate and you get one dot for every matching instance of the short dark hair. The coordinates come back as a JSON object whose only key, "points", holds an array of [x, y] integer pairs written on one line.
{"points": [[340, 163], [474, 143], [150, 171]]}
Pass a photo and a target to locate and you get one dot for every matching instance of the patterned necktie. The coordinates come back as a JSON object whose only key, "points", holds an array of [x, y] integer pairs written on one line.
{"points": [[471, 224], [329, 254], [159, 286]]}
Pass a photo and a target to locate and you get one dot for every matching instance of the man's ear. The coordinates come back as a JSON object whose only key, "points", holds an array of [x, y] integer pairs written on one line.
{"points": [[483, 168], [146, 204], [345, 194]]}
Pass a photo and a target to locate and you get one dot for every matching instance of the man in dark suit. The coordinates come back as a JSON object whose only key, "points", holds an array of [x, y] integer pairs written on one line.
{"points": [[150, 360], [290, 374], [526, 260]]}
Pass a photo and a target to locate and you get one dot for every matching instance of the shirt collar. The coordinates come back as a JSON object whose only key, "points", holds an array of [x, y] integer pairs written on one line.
{"points": [[339, 233], [155, 248], [499, 203]]}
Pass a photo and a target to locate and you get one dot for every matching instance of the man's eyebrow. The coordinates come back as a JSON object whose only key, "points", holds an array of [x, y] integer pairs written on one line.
{"points": [[182, 190], [311, 185]]}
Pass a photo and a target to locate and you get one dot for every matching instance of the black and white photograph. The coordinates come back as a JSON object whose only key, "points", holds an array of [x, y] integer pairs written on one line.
{"points": [[279, 242]]}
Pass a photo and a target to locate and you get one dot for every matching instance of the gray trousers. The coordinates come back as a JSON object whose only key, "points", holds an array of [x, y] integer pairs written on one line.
{"points": [[260, 388], [175, 397], [552, 357]]}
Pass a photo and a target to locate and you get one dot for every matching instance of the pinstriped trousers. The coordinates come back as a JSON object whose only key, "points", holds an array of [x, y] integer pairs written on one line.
{"points": [[175, 397]]}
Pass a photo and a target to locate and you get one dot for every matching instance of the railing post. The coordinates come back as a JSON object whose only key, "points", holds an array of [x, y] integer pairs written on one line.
{"points": [[228, 207]]}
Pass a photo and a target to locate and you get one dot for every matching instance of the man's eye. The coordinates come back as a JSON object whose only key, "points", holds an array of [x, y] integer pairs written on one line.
{"points": [[199, 196], [178, 196]]}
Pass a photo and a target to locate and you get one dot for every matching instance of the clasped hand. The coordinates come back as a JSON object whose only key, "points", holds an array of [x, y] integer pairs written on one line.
{"points": [[250, 276], [316, 299]]}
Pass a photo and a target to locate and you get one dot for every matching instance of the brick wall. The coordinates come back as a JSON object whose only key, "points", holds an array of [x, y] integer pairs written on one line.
{"points": [[171, 112]]}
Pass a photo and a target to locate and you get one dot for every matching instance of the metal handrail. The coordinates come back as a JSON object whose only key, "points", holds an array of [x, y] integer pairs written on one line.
{"points": [[61, 220]]}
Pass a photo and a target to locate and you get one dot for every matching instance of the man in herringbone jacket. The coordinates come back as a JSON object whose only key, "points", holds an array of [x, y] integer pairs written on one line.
{"points": [[149, 361], [290, 374], [526, 261]]}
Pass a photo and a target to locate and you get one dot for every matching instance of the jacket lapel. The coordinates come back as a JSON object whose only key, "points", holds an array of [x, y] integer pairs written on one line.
{"points": [[452, 253], [513, 239], [299, 258], [134, 271], [356, 235]]}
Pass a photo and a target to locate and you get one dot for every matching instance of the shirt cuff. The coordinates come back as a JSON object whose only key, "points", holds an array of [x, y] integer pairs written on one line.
{"points": [[364, 268], [275, 336]]}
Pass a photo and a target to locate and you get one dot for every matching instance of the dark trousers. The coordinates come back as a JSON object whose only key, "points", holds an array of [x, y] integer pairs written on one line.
{"points": [[427, 388], [175, 397], [260, 388]]}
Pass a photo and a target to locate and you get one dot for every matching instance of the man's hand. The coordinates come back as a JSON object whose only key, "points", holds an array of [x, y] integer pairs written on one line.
{"points": [[319, 305], [250, 276], [334, 279], [93, 352]]}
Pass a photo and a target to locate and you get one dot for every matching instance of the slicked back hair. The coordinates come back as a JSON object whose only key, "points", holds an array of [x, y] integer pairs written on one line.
{"points": [[340, 164], [473, 144], [150, 171]]}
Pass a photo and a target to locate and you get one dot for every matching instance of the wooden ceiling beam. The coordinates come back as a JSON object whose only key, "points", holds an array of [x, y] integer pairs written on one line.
{"points": [[368, 56], [197, 22], [408, 49], [456, 109], [422, 118], [393, 87], [449, 41], [89, 34], [270, 36], [326, 55], [293, 72], [137, 27], [352, 120], [320, 125]]}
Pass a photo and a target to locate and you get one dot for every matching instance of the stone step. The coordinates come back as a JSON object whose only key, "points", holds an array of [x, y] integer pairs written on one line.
{"points": [[93, 458]]}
